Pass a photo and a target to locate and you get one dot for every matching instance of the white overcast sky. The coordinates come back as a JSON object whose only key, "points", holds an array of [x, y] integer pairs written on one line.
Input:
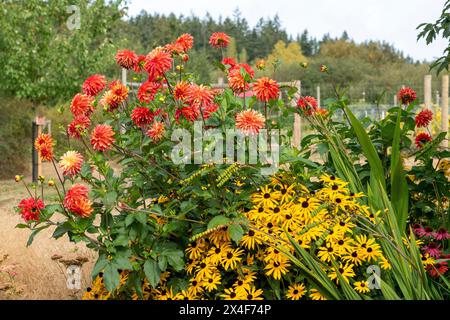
{"points": [[392, 20]]}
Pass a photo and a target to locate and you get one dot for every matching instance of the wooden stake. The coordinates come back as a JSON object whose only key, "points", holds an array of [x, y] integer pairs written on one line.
{"points": [[444, 109]]}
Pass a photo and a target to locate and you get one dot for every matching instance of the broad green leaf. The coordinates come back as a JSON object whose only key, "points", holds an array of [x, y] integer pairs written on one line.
{"points": [[217, 221], [111, 277], [236, 232], [152, 272]]}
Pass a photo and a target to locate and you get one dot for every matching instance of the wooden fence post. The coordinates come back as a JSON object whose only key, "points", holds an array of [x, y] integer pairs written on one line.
{"points": [[427, 94], [297, 120], [444, 108]]}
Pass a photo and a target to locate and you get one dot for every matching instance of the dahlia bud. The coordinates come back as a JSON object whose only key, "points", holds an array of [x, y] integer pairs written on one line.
{"points": [[185, 57], [18, 178], [261, 64], [179, 67], [41, 179], [304, 65], [162, 99], [51, 183], [323, 68]]}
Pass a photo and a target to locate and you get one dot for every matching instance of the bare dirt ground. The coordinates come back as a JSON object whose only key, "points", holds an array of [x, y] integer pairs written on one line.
{"points": [[37, 275]]}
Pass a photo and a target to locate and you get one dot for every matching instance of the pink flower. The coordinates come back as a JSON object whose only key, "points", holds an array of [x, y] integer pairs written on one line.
{"points": [[433, 249], [441, 234]]}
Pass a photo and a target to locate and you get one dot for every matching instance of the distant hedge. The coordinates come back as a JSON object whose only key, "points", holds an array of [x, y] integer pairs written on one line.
{"points": [[15, 137]]}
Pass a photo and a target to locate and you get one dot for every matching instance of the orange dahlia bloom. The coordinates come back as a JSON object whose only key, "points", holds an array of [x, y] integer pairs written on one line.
{"points": [[308, 104], [108, 101], [249, 122], [102, 137], [147, 91], [219, 40], [44, 146], [30, 209], [174, 49], [180, 91], [229, 61], [406, 95], [76, 200], [126, 58], [82, 105], [71, 162], [424, 118], [199, 95], [94, 84], [422, 138], [157, 62], [156, 131], [78, 126], [119, 92], [185, 41], [190, 113], [236, 79], [266, 89]]}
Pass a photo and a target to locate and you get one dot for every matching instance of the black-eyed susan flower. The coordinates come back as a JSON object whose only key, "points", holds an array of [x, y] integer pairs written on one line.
{"points": [[314, 294], [276, 269], [296, 291], [231, 294], [361, 286], [265, 197], [210, 283], [253, 294], [251, 239], [231, 259], [346, 271], [328, 252], [195, 285]]}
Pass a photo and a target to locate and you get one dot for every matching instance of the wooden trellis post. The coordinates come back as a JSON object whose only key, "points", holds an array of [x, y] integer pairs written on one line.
{"points": [[444, 108], [297, 120]]}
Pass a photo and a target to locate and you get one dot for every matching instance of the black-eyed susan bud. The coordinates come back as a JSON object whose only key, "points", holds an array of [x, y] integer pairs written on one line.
{"points": [[323, 68], [18, 178], [304, 64], [41, 179], [51, 183]]}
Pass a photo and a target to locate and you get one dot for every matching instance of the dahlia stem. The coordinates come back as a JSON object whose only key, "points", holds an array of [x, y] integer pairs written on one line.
{"points": [[168, 84], [29, 192], [61, 199], [59, 177], [128, 208]]}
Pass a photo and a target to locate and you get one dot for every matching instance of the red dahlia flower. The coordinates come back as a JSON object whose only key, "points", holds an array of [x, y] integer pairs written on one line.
{"points": [[44, 146], [126, 59], [406, 95], [185, 41], [147, 91], [249, 122], [156, 131], [142, 116], [422, 138], [30, 208], [119, 92], [424, 118], [229, 61], [180, 91], [71, 162], [199, 95], [78, 126], [157, 62], [102, 137], [139, 66], [76, 200], [82, 105], [109, 101], [308, 104], [94, 84], [219, 40], [266, 89]]}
